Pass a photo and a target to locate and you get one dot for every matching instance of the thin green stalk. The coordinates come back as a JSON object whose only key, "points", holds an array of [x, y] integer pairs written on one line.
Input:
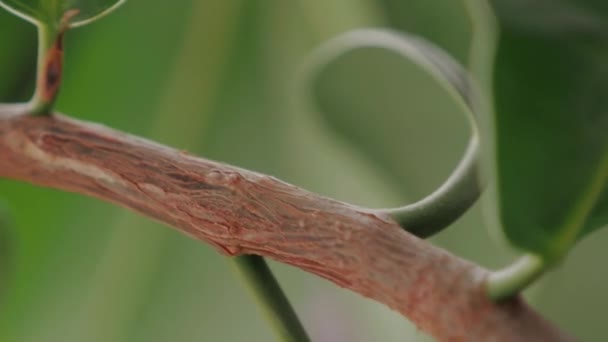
{"points": [[40, 102], [258, 277], [50, 63], [513, 279]]}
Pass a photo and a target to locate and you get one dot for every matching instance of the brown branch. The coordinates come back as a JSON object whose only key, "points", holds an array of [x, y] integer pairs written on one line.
{"points": [[239, 211]]}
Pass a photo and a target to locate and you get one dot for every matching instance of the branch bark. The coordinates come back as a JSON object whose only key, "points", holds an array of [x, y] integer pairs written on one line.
{"points": [[243, 212]]}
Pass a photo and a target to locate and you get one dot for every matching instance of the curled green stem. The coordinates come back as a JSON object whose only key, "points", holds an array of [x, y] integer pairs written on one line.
{"points": [[259, 279], [510, 281], [462, 189], [446, 204]]}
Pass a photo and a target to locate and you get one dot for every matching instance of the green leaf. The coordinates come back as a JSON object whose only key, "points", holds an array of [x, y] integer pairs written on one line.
{"points": [[51, 12], [551, 123]]}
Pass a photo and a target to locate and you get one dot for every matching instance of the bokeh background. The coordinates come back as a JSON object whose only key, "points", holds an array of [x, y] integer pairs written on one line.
{"points": [[219, 78]]}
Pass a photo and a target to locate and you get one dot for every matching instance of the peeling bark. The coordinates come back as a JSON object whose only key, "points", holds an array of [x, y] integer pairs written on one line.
{"points": [[243, 212]]}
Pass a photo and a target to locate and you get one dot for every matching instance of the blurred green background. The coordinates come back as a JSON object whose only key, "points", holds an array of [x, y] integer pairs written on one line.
{"points": [[218, 78]]}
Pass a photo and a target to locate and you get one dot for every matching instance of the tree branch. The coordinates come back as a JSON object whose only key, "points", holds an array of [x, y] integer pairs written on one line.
{"points": [[243, 212]]}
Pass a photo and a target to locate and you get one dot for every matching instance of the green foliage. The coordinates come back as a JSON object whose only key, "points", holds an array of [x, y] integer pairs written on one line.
{"points": [[51, 12], [551, 93]]}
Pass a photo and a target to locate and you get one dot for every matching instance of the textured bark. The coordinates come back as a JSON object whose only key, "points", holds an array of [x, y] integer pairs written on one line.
{"points": [[243, 212]]}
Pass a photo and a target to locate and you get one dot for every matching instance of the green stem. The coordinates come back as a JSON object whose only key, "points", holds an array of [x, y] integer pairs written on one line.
{"points": [[464, 186], [41, 103], [258, 277], [445, 205], [513, 279]]}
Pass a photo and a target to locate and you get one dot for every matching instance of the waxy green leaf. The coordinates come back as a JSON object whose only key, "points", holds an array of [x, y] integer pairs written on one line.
{"points": [[51, 12], [551, 122]]}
